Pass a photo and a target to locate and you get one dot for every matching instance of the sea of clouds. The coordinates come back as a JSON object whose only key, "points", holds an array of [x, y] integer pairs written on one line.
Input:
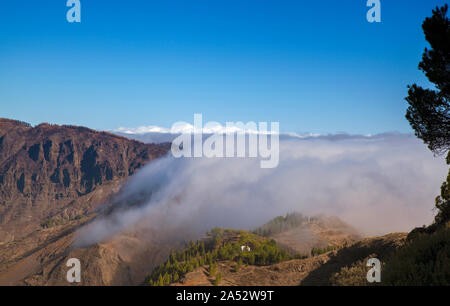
{"points": [[378, 184]]}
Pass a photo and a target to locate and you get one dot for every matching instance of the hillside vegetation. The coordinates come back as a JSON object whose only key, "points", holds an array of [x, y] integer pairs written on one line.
{"points": [[424, 261], [281, 224], [221, 245]]}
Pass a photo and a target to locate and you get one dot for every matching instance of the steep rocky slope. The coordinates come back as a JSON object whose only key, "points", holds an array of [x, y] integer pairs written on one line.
{"points": [[51, 180], [45, 169]]}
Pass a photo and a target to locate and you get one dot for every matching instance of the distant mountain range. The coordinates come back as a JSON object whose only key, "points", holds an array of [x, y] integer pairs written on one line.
{"points": [[157, 134]]}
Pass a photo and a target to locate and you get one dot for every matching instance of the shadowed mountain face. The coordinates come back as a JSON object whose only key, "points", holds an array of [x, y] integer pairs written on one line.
{"points": [[52, 175]]}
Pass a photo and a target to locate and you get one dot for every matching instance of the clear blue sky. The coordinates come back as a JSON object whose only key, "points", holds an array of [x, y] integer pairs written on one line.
{"points": [[314, 66]]}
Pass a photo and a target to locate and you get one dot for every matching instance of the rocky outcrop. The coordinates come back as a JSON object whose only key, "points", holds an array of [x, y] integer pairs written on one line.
{"points": [[46, 170]]}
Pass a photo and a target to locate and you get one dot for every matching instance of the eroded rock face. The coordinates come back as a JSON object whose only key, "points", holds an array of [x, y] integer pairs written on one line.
{"points": [[44, 170]]}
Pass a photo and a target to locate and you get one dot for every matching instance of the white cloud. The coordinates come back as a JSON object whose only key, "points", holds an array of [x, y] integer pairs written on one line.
{"points": [[142, 130], [378, 184]]}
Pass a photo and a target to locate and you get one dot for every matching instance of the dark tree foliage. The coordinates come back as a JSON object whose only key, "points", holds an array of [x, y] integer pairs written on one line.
{"points": [[281, 224], [443, 201], [428, 111], [423, 262]]}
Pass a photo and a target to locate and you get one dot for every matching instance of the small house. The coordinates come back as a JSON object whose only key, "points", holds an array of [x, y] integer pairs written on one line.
{"points": [[245, 248]]}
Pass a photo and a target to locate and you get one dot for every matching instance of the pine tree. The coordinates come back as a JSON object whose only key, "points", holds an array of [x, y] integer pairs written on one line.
{"points": [[238, 264], [218, 279], [429, 110], [175, 277], [160, 280]]}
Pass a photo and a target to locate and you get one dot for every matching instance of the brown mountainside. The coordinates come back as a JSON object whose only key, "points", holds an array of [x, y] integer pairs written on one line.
{"points": [[44, 169], [51, 180]]}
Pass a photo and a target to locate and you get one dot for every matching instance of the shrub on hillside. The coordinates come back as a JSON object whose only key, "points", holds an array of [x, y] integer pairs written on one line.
{"points": [[355, 275], [422, 261]]}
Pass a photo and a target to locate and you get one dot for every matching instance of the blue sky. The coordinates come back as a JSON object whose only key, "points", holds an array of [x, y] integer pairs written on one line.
{"points": [[314, 66]]}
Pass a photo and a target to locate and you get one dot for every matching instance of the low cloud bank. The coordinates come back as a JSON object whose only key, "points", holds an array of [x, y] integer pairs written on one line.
{"points": [[378, 184]]}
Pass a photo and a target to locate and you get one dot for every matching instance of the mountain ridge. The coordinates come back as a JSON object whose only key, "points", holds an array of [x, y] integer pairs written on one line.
{"points": [[52, 179]]}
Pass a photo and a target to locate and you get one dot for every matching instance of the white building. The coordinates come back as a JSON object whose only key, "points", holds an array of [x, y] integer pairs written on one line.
{"points": [[245, 248]]}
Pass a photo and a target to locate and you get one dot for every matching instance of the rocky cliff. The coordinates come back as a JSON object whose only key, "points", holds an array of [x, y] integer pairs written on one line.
{"points": [[51, 175]]}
